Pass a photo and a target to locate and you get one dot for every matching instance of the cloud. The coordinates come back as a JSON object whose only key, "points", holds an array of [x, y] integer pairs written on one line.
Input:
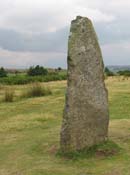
{"points": [[116, 53], [115, 32], [32, 30], [12, 59], [42, 42], [44, 16]]}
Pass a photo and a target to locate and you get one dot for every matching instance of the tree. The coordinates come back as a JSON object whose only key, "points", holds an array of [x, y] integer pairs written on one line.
{"points": [[3, 72], [124, 73], [37, 70], [108, 72], [59, 68]]}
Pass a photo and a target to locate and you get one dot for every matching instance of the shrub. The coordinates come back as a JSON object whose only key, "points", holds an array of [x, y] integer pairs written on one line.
{"points": [[9, 95], [37, 70], [59, 68], [3, 73], [37, 90]]}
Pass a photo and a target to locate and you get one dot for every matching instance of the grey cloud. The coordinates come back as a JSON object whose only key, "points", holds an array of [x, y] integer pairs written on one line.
{"points": [[43, 42], [57, 41], [11, 40], [116, 54], [113, 32]]}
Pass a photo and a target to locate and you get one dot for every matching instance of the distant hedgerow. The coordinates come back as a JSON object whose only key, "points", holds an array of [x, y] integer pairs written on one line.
{"points": [[25, 79]]}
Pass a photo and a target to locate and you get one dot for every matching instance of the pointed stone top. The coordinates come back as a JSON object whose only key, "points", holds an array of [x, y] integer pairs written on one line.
{"points": [[80, 18]]}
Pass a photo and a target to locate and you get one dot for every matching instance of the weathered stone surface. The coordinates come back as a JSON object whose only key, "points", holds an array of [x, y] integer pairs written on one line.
{"points": [[86, 117]]}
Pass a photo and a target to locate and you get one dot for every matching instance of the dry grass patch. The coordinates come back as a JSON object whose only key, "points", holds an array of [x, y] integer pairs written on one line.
{"points": [[9, 95], [36, 90]]}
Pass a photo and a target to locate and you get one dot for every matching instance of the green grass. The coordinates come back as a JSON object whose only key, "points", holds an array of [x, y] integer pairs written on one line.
{"points": [[29, 134]]}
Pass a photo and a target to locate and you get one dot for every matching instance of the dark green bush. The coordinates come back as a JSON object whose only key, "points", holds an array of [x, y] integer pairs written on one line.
{"points": [[3, 72], [37, 70]]}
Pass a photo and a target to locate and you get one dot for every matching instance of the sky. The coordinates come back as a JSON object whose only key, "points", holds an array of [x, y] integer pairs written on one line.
{"points": [[36, 31]]}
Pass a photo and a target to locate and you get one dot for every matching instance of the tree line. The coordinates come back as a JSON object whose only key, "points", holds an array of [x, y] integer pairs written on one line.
{"points": [[32, 71], [40, 70], [108, 72]]}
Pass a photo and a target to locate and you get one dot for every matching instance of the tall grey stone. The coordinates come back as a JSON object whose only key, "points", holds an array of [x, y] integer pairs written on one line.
{"points": [[86, 116]]}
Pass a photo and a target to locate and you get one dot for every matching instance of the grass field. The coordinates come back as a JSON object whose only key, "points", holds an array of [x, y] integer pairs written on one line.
{"points": [[29, 134]]}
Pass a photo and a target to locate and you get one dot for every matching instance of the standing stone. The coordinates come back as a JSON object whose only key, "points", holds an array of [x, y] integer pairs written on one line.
{"points": [[86, 116]]}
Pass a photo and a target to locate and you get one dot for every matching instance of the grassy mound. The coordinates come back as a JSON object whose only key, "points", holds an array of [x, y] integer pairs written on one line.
{"points": [[105, 149]]}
